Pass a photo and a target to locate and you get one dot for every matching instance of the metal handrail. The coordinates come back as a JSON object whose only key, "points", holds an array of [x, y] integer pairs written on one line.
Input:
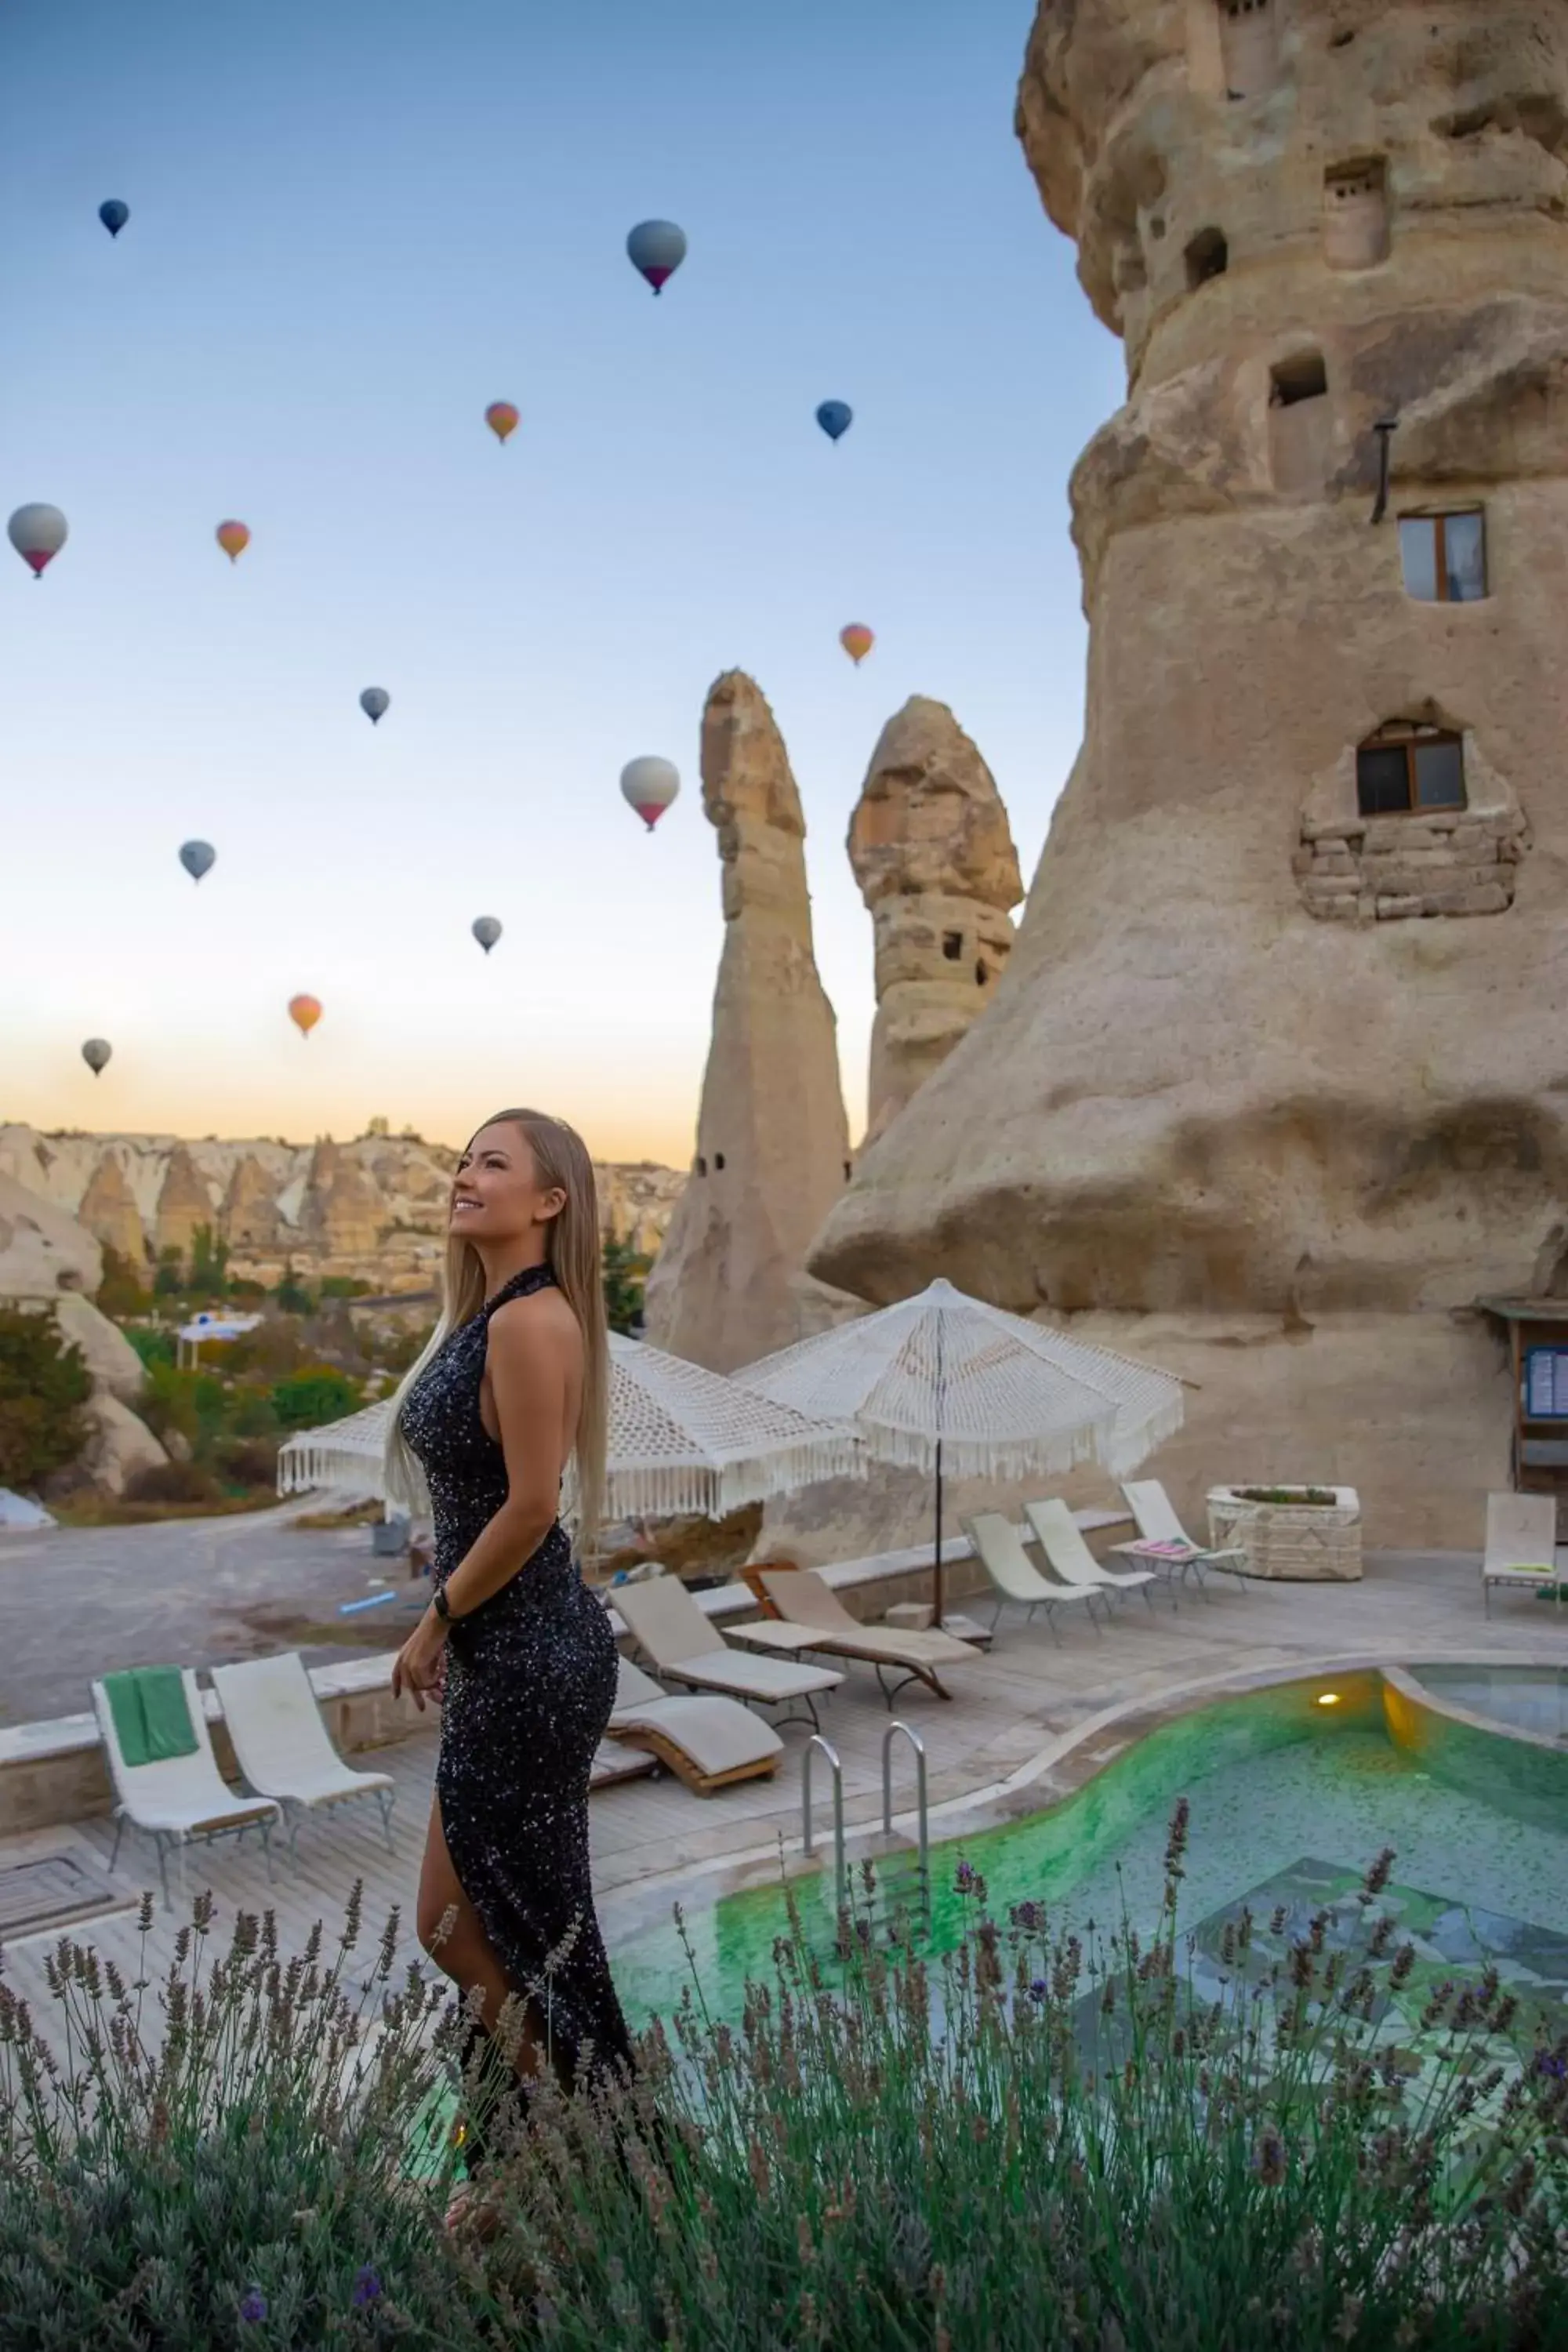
{"points": [[918, 1744], [839, 1865]]}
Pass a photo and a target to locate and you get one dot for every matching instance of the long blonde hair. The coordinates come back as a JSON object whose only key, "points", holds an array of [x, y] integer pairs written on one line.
{"points": [[572, 1251]]}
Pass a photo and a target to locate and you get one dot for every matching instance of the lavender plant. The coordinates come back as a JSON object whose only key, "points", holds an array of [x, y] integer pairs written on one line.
{"points": [[1035, 2142]]}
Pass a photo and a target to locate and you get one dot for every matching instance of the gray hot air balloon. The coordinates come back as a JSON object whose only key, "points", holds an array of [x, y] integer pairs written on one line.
{"points": [[649, 785], [487, 930], [197, 857], [656, 248], [373, 701], [96, 1054], [37, 533]]}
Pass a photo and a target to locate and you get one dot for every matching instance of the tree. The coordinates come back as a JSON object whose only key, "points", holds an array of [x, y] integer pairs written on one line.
{"points": [[44, 1385], [170, 1278], [291, 1296], [120, 1291], [625, 1274], [318, 1393], [210, 1263]]}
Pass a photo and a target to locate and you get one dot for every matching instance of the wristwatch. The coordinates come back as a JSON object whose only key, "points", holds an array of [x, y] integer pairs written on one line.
{"points": [[439, 1604]]}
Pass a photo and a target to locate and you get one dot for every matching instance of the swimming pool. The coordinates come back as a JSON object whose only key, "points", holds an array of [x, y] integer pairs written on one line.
{"points": [[1296, 1787], [1525, 1698]]}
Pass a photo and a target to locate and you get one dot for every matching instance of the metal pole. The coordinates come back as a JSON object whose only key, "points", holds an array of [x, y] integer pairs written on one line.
{"points": [[839, 1865], [918, 1744], [940, 1418]]}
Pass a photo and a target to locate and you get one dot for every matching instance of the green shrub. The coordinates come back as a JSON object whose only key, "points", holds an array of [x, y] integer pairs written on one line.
{"points": [[624, 1275], [172, 1481], [318, 1393], [188, 1404], [123, 1290], [151, 1343], [44, 1385], [1024, 2147], [246, 1462]]}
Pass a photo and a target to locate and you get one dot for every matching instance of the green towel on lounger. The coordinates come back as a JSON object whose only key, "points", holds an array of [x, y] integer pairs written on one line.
{"points": [[151, 1721]]}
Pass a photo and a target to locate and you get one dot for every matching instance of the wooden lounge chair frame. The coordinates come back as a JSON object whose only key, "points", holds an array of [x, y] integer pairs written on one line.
{"points": [[832, 1630], [647, 1718]]}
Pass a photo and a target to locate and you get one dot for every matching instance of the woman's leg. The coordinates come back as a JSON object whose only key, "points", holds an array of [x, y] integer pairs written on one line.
{"points": [[452, 1933]]}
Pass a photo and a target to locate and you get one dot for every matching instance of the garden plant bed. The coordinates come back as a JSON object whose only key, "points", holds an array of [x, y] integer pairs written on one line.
{"points": [[1307, 1534]]}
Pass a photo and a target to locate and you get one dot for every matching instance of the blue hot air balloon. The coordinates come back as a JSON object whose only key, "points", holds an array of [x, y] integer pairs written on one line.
{"points": [[114, 215], [836, 417], [657, 249], [197, 857], [375, 701]]}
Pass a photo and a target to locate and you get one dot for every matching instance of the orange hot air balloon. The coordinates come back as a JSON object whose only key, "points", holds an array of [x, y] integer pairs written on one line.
{"points": [[304, 1011], [233, 537], [857, 641], [501, 418]]}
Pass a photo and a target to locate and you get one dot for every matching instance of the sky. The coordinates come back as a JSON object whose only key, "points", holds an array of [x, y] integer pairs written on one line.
{"points": [[352, 228]]}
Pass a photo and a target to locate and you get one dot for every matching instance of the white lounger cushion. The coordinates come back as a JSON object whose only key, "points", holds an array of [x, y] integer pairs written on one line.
{"points": [[614, 1762], [281, 1743], [719, 1735], [1009, 1567], [180, 1794], [1521, 1539], [802, 1597], [667, 1623], [1061, 1541]]}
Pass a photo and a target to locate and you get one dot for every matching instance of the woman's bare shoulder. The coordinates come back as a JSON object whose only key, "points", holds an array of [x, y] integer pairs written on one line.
{"points": [[543, 1320]]}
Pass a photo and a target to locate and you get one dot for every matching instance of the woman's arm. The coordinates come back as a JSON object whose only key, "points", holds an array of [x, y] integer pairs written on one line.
{"points": [[533, 1354]]}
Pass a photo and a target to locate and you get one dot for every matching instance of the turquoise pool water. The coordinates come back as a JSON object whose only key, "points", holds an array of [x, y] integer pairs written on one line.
{"points": [[1274, 1780], [1525, 1698]]}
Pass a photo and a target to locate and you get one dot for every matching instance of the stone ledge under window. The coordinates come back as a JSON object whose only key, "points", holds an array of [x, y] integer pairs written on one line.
{"points": [[1387, 868]]}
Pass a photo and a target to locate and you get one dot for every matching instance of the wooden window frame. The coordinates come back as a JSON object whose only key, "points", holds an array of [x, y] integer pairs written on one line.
{"points": [[1439, 516], [1394, 740]]}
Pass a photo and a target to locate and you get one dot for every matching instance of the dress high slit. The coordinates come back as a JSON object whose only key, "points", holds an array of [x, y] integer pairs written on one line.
{"points": [[530, 1680]]}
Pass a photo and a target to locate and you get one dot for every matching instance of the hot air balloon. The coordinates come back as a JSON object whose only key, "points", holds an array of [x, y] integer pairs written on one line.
{"points": [[114, 215], [197, 857], [233, 537], [373, 701], [304, 1013], [37, 533], [501, 418], [836, 417], [657, 249], [857, 641], [648, 786], [487, 930], [96, 1054]]}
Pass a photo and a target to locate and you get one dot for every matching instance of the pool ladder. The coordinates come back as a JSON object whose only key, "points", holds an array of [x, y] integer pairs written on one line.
{"points": [[840, 1866]]}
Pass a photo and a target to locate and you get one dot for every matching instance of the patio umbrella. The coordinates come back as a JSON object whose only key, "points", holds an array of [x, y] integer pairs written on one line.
{"points": [[946, 1384], [681, 1440]]}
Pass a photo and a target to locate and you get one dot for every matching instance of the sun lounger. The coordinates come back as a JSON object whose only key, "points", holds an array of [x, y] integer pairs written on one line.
{"points": [[176, 1800], [686, 1646], [1521, 1545], [1158, 1524], [282, 1747], [807, 1605], [708, 1742], [1014, 1577], [1060, 1538], [612, 1762]]}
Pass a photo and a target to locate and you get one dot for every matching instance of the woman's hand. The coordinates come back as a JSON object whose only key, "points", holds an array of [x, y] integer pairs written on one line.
{"points": [[420, 1665]]}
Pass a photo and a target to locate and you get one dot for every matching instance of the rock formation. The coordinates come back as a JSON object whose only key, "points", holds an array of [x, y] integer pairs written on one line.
{"points": [[772, 1143], [47, 1259], [931, 851], [108, 1210], [1277, 1058], [380, 1216], [185, 1205]]}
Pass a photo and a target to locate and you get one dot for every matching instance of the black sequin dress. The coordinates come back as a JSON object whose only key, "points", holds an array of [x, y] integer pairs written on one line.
{"points": [[530, 1680]]}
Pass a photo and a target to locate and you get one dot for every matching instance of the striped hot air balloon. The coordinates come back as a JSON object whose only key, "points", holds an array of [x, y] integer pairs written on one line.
{"points": [[304, 1011], [233, 537], [502, 419], [857, 641]]}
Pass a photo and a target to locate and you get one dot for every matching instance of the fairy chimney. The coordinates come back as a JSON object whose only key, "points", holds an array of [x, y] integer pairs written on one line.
{"points": [[250, 1218], [772, 1143], [108, 1210], [1277, 1057], [931, 848], [185, 1205]]}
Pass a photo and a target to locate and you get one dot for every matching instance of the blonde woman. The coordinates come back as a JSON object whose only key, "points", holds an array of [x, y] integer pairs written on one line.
{"points": [[514, 1647]]}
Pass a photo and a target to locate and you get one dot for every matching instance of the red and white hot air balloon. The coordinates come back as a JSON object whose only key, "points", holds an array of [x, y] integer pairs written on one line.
{"points": [[649, 785], [37, 533]]}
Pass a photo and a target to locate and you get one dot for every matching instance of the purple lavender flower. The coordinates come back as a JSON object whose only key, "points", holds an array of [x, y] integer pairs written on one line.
{"points": [[367, 2288], [1030, 1918], [1039, 1990], [964, 1877], [1552, 2062], [253, 2306]]}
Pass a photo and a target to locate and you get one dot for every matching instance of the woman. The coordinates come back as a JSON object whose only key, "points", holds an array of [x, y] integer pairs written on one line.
{"points": [[514, 1646]]}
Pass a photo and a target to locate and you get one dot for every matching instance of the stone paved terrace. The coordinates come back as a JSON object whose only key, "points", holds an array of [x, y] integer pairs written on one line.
{"points": [[1026, 1722]]}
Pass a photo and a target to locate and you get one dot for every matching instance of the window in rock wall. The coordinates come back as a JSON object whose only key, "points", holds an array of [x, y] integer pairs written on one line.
{"points": [[1445, 556], [1405, 767], [1356, 215], [980, 975], [1208, 256], [1303, 377], [1248, 37], [718, 1161], [952, 945], [701, 1165]]}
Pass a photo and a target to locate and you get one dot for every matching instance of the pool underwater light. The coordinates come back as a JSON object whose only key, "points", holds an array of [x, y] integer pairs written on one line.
{"points": [[1328, 1698]]}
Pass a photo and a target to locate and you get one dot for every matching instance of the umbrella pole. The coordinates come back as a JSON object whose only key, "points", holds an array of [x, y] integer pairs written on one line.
{"points": [[936, 1554]]}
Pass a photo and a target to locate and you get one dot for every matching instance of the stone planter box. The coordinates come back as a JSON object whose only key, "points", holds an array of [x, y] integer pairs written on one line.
{"points": [[1292, 1538]]}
